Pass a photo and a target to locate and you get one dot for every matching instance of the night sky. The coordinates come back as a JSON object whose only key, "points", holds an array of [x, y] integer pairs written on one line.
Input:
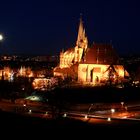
{"points": [[46, 27]]}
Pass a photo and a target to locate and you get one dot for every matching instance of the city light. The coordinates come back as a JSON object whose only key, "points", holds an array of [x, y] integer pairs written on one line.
{"points": [[124, 117], [30, 111], [33, 98], [86, 116], [65, 115], [109, 119], [112, 110], [126, 108], [122, 103]]}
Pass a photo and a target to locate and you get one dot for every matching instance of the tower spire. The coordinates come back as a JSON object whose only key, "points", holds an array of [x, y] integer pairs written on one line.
{"points": [[81, 43], [81, 29]]}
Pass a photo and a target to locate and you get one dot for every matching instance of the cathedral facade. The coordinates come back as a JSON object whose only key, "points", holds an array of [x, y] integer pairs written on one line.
{"points": [[95, 65], [75, 55]]}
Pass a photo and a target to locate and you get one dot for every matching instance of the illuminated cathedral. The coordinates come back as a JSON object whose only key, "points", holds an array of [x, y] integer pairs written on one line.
{"points": [[95, 65]]}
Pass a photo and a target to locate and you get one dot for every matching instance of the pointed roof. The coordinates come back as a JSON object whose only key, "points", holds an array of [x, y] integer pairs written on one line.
{"points": [[101, 54], [81, 31]]}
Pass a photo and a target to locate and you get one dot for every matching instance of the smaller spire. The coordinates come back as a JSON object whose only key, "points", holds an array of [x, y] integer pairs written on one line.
{"points": [[81, 29], [63, 50], [81, 18]]}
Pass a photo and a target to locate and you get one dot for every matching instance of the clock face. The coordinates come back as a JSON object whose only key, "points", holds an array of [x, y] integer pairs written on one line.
{"points": [[84, 69]]}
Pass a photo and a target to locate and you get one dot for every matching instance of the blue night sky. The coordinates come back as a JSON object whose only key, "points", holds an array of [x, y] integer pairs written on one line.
{"points": [[46, 27]]}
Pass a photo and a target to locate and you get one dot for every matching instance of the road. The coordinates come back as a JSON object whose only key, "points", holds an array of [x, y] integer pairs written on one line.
{"points": [[102, 117]]}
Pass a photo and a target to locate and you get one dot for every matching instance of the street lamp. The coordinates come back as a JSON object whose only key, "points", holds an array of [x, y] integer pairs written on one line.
{"points": [[86, 116], [122, 103], [89, 109], [65, 115], [109, 119], [112, 110], [30, 111]]}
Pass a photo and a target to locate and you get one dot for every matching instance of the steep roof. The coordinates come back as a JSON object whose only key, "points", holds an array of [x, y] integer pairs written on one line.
{"points": [[101, 54]]}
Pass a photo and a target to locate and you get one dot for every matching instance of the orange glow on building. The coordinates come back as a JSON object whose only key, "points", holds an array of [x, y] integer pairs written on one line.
{"points": [[25, 72], [66, 58], [74, 55], [39, 83], [5, 73], [97, 73], [95, 65], [44, 83], [8, 73]]}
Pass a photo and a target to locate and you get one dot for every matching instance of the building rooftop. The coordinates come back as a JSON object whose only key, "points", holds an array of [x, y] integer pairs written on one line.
{"points": [[101, 54]]}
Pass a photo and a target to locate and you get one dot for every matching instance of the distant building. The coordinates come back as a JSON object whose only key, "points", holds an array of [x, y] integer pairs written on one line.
{"points": [[95, 65]]}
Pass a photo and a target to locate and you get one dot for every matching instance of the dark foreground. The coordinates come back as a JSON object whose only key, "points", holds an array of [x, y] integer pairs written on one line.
{"points": [[15, 122], [97, 94], [10, 122]]}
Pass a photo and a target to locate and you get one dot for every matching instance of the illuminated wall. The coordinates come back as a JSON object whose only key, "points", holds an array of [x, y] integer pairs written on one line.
{"points": [[74, 55], [90, 65], [66, 58], [6, 73], [97, 73], [44, 83], [59, 74]]}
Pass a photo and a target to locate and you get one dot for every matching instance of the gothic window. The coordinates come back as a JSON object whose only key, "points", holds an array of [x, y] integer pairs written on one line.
{"points": [[91, 75]]}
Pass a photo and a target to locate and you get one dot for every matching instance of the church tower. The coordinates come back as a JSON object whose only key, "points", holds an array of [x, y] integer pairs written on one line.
{"points": [[81, 43]]}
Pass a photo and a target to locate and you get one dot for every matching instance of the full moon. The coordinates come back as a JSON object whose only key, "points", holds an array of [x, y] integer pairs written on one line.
{"points": [[1, 37]]}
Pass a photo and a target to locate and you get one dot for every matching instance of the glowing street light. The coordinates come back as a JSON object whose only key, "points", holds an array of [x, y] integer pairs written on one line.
{"points": [[65, 115], [86, 116], [112, 110], [109, 119], [30, 111], [122, 103]]}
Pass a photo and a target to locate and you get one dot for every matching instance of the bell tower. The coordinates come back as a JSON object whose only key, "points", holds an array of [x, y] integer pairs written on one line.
{"points": [[81, 43]]}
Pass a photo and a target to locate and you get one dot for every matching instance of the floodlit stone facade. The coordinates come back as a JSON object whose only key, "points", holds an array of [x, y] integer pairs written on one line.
{"points": [[98, 64]]}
